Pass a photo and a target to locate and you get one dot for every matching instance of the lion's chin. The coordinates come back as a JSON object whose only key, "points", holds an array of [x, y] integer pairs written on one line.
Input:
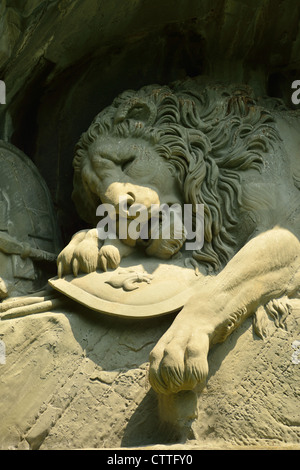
{"points": [[164, 249]]}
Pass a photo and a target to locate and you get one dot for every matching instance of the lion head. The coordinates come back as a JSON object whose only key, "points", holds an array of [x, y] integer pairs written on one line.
{"points": [[184, 143]]}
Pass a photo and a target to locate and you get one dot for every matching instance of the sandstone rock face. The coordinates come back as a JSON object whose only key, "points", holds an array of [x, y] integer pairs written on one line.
{"points": [[75, 379], [62, 62]]}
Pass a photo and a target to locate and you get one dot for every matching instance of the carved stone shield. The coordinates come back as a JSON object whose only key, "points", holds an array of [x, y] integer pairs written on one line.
{"points": [[139, 288], [27, 219]]}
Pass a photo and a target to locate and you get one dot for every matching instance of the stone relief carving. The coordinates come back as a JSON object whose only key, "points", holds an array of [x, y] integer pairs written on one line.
{"points": [[29, 239], [129, 280], [214, 145], [194, 142]]}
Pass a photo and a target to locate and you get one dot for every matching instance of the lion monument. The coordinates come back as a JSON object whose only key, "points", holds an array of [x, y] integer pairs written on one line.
{"points": [[197, 142]]}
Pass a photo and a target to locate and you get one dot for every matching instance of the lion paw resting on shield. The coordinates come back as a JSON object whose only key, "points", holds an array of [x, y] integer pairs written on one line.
{"points": [[196, 144]]}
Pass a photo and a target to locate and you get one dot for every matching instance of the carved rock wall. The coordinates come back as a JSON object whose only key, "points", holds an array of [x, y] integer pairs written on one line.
{"points": [[64, 60], [76, 380]]}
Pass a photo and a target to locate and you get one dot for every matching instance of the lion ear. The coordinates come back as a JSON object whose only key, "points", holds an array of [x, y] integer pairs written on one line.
{"points": [[138, 110]]}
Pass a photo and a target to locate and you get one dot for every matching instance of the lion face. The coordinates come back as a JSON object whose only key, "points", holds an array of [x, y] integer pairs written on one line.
{"points": [[131, 168], [188, 143], [132, 172]]}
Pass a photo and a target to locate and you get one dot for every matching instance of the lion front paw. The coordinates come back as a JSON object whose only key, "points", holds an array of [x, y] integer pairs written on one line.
{"points": [[80, 255], [179, 360], [109, 257]]}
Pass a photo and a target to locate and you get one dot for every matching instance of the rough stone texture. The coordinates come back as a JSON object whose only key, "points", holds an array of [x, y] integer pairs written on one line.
{"points": [[63, 61], [252, 395], [75, 380]]}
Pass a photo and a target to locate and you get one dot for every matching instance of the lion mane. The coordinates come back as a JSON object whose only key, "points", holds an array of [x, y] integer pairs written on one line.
{"points": [[209, 134]]}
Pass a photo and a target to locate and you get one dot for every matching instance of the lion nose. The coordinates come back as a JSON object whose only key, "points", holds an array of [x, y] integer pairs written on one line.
{"points": [[126, 201]]}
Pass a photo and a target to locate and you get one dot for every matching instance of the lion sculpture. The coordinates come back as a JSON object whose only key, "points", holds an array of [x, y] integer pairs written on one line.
{"points": [[204, 143]]}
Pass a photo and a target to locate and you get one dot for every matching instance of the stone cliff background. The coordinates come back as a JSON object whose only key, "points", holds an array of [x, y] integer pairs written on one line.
{"points": [[73, 379], [64, 60]]}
